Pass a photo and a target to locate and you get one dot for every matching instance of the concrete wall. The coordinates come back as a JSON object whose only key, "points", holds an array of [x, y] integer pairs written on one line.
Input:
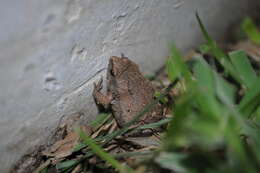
{"points": [[52, 51]]}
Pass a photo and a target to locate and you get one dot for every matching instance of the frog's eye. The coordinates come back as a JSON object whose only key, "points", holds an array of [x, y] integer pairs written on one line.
{"points": [[111, 72], [128, 110]]}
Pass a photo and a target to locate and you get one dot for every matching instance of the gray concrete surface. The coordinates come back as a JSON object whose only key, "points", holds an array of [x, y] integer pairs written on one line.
{"points": [[52, 51]]}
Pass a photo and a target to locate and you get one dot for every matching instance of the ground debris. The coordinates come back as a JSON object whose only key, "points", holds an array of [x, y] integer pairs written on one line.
{"points": [[62, 148]]}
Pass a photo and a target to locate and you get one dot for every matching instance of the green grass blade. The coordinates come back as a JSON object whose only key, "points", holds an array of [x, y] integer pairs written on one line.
{"points": [[251, 30], [163, 100], [204, 48], [101, 118], [204, 77], [176, 67], [101, 153], [203, 70], [79, 147], [155, 125], [251, 99], [174, 136], [211, 43], [217, 52], [225, 88], [243, 68], [206, 90], [172, 71], [134, 154], [63, 166]]}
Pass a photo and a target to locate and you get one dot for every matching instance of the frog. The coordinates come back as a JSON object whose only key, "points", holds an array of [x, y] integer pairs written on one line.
{"points": [[128, 92]]}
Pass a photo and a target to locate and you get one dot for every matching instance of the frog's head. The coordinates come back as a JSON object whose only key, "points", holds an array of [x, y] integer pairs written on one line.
{"points": [[118, 65]]}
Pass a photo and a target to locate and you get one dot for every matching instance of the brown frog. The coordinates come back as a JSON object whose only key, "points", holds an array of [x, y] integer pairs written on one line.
{"points": [[128, 91]]}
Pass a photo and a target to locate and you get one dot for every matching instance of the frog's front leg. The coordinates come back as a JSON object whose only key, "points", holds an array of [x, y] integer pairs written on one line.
{"points": [[100, 98]]}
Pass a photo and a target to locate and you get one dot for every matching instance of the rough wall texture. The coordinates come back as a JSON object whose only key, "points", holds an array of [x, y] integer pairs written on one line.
{"points": [[52, 51]]}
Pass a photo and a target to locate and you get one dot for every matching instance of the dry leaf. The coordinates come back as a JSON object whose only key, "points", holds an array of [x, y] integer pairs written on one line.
{"points": [[87, 129], [64, 147], [110, 147], [113, 127], [145, 141], [103, 128], [42, 166], [77, 169]]}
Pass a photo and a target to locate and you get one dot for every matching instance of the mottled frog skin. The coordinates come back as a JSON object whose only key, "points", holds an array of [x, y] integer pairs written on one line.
{"points": [[128, 91]]}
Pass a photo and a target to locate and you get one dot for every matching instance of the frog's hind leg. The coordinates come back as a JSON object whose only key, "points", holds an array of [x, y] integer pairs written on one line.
{"points": [[100, 98]]}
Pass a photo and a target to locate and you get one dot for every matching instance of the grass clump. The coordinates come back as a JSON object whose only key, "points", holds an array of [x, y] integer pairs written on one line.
{"points": [[213, 130]]}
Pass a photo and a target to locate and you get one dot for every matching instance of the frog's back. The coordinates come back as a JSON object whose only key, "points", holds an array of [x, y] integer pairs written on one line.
{"points": [[133, 92]]}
